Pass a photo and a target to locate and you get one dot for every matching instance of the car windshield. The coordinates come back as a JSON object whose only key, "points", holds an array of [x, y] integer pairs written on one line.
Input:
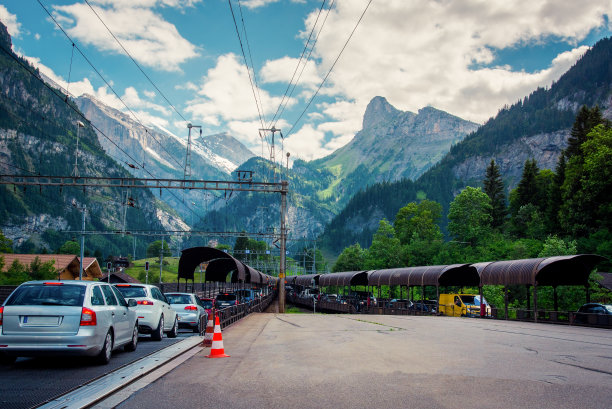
{"points": [[132, 291], [41, 294], [226, 297], [178, 298], [469, 300], [207, 303], [609, 308]]}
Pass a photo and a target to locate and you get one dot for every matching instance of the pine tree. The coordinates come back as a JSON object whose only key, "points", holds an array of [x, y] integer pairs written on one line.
{"points": [[494, 188], [527, 188], [554, 199], [586, 119]]}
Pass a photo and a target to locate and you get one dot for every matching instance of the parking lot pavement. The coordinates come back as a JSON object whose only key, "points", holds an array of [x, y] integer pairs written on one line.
{"points": [[349, 361]]}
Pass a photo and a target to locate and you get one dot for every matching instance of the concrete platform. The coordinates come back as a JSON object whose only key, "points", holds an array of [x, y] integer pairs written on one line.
{"points": [[357, 361]]}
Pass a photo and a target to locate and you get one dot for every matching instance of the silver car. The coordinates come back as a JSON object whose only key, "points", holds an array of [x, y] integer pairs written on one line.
{"points": [[54, 318], [190, 311]]}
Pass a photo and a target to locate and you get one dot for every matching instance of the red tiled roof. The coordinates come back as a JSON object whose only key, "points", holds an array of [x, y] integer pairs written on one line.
{"points": [[126, 278], [62, 261]]}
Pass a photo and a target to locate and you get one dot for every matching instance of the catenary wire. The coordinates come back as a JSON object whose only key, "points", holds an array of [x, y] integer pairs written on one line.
{"points": [[307, 59], [106, 82], [80, 114], [285, 95], [330, 69]]}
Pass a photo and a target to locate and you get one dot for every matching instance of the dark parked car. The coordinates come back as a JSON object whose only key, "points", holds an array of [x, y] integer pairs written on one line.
{"points": [[593, 313], [224, 300]]}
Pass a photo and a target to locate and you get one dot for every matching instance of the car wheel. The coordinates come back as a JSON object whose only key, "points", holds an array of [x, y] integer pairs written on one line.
{"points": [[134, 342], [158, 334], [198, 328], [107, 349], [174, 331]]}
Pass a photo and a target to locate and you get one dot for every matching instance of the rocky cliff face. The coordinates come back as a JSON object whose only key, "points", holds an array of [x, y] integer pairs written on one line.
{"points": [[392, 145], [212, 156], [544, 148]]}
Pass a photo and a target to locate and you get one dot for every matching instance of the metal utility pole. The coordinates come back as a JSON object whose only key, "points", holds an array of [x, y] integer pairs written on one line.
{"points": [[272, 150], [187, 173], [283, 247], [84, 208], [75, 170], [161, 260]]}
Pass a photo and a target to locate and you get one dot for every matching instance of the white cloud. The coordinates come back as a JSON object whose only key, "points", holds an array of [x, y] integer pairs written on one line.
{"points": [[10, 21], [226, 95], [307, 143], [37, 36], [133, 100], [189, 86], [417, 53], [153, 42], [283, 69], [147, 3], [140, 107]]}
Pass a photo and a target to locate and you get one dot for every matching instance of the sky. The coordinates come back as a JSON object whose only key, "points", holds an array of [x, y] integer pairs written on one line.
{"points": [[186, 63]]}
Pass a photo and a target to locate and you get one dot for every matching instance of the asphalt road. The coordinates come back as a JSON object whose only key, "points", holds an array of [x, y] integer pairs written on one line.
{"points": [[359, 361], [32, 381]]}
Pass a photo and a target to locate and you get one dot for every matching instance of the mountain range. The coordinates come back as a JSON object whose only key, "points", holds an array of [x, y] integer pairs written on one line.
{"points": [[396, 157], [537, 126]]}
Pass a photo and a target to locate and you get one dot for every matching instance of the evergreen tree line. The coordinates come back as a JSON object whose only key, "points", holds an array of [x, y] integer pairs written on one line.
{"points": [[568, 211]]}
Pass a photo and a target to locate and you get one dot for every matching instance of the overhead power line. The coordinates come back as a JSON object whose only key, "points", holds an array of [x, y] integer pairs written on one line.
{"points": [[106, 82], [257, 103], [135, 63], [80, 114], [286, 95], [330, 69]]}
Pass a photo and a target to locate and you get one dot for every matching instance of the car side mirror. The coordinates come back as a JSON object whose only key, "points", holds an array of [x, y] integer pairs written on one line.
{"points": [[132, 302]]}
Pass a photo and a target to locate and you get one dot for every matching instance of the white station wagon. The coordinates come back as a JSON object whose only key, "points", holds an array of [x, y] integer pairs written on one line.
{"points": [[55, 318]]}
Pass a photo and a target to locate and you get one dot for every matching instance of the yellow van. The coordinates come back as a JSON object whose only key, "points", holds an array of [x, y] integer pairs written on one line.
{"points": [[462, 305]]}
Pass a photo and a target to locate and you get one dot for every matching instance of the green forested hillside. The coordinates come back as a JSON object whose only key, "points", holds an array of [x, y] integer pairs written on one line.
{"points": [[588, 82], [38, 136]]}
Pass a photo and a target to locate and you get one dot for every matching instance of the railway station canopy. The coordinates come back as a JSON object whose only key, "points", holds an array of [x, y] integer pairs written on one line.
{"points": [[306, 280], [219, 265], [546, 271], [348, 278]]}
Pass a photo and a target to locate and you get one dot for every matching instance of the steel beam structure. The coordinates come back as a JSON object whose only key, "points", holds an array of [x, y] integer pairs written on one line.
{"points": [[134, 183]]}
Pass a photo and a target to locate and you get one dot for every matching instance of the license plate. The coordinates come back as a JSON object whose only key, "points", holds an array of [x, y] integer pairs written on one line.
{"points": [[37, 320]]}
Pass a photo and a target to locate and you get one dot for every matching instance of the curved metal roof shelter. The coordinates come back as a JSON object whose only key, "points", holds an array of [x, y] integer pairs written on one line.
{"points": [[344, 278], [306, 280], [290, 280], [218, 270], [220, 264], [459, 275], [549, 271], [194, 256], [455, 274]]}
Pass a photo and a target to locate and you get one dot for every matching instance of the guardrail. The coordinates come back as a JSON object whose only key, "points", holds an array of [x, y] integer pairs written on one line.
{"points": [[386, 307], [233, 313]]}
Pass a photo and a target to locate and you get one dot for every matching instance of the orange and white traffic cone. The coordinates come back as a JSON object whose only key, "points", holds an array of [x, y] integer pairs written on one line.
{"points": [[216, 351], [208, 336]]}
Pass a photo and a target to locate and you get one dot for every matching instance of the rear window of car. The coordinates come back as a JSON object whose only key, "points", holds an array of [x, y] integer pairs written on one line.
{"points": [[207, 303], [132, 291], [226, 297], [178, 299], [41, 294]]}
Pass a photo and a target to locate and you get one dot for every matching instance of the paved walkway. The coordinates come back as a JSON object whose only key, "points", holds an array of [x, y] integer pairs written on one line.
{"points": [[361, 361]]}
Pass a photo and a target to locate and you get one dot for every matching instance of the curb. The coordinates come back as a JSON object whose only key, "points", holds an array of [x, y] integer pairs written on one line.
{"points": [[101, 388]]}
